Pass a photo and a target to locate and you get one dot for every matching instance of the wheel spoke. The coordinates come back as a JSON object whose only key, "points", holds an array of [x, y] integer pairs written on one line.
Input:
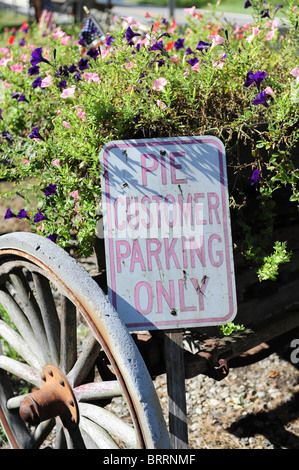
{"points": [[85, 362], [23, 326], [98, 391], [110, 422], [41, 432], [74, 439], [97, 434], [20, 370], [18, 344], [48, 311], [27, 301], [68, 348]]}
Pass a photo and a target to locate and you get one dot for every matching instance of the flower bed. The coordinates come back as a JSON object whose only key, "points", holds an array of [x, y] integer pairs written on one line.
{"points": [[63, 99]]}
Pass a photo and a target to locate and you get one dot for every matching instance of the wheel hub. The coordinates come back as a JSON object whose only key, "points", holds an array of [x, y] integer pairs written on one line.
{"points": [[54, 398]]}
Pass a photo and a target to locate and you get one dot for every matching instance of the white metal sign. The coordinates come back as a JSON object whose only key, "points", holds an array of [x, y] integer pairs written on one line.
{"points": [[167, 232]]}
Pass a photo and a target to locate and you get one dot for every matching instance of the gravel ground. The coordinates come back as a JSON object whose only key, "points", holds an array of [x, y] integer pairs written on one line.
{"points": [[254, 407]]}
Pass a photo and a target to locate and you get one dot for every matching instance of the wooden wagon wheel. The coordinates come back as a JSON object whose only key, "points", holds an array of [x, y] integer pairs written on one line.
{"points": [[62, 341]]}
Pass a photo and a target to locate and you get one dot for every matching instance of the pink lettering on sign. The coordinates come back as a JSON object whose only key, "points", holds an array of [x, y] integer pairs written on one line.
{"points": [[148, 289], [174, 167], [150, 163], [145, 169]]}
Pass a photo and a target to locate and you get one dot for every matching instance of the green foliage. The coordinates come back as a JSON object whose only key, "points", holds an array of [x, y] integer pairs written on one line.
{"points": [[269, 269], [229, 328], [120, 101]]}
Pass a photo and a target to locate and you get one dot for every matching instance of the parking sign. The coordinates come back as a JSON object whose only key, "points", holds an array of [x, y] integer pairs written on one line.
{"points": [[167, 233]]}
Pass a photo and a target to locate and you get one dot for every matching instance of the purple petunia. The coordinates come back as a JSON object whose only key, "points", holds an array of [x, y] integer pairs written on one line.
{"points": [[93, 53], [51, 189], [9, 214], [34, 70], [255, 176], [189, 51], [22, 214], [62, 84], [53, 237], [109, 40], [256, 78], [158, 46], [130, 35], [202, 45], [261, 99], [73, 68], [193, 61], [247, 4], [38, 217], [179, 44], [37, 57], [19, 97], [37, 82], [35, 134], [83, 64], [7, 136], [265, 13], [1, 114]]}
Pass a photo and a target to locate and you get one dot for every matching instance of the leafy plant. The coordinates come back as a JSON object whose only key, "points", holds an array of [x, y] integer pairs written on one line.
{"points": [[229, 328], [269, 269], [61, 102]]}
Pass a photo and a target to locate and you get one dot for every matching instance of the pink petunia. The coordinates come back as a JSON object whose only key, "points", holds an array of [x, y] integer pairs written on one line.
{"points": [[68, 92], [23, 57], [161, 104], [270, 35], [65, 40], [195, 67], [58, 34], [129, 20], [56, 162], [16, 68], [81, 114], [190, 11], [66, 125], [295, 72], [216, 40], [4, 50], [159, 84], [255, 31], [91, 77], [130, 65], [47, 81], [4, 61], [75, 194], [269, 91], [175, 59]]}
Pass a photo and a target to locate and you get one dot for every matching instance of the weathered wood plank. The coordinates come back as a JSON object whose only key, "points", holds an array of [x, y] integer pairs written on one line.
{"points": [[175, 370]]}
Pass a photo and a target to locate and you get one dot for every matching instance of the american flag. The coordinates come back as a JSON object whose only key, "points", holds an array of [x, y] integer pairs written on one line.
{"points": [[91, 32], [46, 22]]}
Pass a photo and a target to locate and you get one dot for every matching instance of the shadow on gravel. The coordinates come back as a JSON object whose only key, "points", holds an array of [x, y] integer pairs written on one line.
{"points": [[273, 424]]}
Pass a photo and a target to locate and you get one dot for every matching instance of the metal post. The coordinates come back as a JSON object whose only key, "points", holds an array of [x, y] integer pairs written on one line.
{"points": [[171, 8], [175, 370]]}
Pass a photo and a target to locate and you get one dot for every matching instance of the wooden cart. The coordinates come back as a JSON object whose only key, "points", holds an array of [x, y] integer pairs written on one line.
{"points": [[66, 355]]}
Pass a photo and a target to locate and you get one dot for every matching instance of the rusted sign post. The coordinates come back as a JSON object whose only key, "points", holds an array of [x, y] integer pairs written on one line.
{"points": [[167, 236]]}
